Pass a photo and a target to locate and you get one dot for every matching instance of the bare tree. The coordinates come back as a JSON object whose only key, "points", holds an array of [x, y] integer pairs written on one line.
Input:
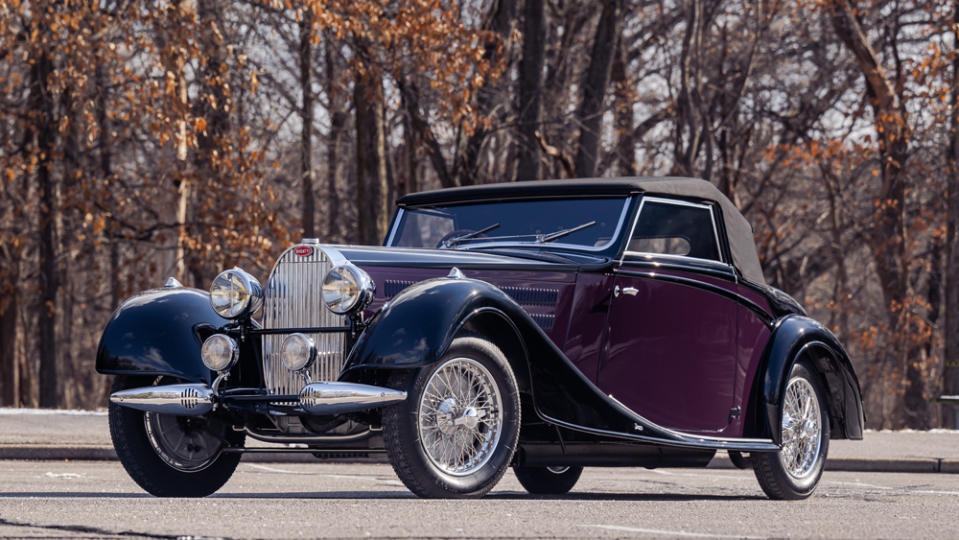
{"points": [[530, 94]]}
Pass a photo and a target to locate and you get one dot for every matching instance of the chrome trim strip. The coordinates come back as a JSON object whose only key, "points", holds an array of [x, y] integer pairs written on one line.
{"points": [[650, 257], [176, 399], [306, 439], [287, 450], [396, 225], [766, 318], [685, 440]]}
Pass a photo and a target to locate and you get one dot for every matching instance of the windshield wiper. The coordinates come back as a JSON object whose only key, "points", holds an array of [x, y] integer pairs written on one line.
{"points": [[456, 240], [543, 238], [537, 238]]}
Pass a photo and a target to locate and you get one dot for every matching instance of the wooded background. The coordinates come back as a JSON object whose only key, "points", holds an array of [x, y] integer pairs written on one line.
{"points": [[140, 140]]}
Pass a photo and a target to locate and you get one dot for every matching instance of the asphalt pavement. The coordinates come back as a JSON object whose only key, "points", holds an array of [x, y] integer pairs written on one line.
{"points": [[96, 499], [37, 434]]}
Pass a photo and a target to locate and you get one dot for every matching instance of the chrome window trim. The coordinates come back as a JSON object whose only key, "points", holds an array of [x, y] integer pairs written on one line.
{"points": [[657, 257], [612, 239], [396, 225], [676, 202]]}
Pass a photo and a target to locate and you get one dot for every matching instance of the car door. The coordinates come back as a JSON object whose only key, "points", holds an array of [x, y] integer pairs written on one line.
{"points": [[670, 353]]}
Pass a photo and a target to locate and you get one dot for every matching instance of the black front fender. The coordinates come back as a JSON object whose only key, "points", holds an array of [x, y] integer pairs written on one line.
{"points": [[416, 327], [159, 332], [796, 338]]}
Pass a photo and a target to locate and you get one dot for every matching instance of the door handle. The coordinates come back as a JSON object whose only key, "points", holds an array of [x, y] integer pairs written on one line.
{"points": [[632, 291]]}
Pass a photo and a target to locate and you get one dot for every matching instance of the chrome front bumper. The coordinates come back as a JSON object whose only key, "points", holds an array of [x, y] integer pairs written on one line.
{"points": [[198, 399]]}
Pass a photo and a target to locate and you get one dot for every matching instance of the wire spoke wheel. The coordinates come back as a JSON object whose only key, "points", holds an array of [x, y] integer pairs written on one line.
{"points": [[794, 471], [801, 429], [456, 433], [460, 417]]}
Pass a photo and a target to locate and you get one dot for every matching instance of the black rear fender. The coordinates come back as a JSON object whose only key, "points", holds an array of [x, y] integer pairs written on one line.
{"points": [[797, 338]]}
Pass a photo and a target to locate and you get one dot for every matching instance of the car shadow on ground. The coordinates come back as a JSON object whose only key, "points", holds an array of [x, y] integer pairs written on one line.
{"points": [[390, 495], [629, 496], [500, 496], [71, 495]]}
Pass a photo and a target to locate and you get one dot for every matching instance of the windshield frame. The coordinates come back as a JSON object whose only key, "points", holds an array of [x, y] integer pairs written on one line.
{"points": [[627, 202]]}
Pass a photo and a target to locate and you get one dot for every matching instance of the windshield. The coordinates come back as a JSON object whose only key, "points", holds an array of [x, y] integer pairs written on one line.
{"points": [[590, 223]]}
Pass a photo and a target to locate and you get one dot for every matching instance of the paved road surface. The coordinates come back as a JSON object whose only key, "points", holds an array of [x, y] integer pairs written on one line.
{"points": [[90, 498], [48, 434]]}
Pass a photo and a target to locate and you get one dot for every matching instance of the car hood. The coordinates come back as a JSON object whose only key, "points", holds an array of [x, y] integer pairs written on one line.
{"points": [[518, 258]]}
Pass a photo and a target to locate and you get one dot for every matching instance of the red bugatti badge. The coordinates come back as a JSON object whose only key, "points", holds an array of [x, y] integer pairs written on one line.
{"points": [[303, 251]]}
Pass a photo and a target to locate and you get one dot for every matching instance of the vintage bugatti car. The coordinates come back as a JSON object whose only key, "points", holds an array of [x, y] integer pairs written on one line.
{"points": [[547, 326]]}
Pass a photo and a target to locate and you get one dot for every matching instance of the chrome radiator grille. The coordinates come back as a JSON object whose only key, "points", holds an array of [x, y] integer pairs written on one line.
{"points": [[293, 299]]}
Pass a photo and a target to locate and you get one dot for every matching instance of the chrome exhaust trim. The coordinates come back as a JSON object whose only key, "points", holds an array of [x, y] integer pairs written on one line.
{"points": [[175, 399], [343, 397]]}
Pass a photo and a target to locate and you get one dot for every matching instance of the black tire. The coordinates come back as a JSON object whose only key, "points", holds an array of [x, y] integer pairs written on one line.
{"points": [[547, 480], [139, 453], [778, 481], [740, 460], [405, 444]]}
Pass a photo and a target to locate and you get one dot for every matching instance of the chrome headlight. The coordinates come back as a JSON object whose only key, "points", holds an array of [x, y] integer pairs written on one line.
{"points": [[347, 288], [297, 352], [235, 293], [219, 352]]}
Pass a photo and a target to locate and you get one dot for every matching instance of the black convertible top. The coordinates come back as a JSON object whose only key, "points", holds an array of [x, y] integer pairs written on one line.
{"points": [[741, 241]]}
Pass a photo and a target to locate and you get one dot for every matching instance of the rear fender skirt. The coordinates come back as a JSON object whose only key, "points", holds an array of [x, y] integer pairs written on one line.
{"points": [[416, 327], [160, 332], [796, 338]]}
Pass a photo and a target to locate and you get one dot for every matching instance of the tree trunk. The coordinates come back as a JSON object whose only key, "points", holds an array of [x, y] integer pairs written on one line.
{"points": [[409, 183], [334, 167], [176, 63], [950, 372], [42, 107], [623, 115], [306, 137], [106, 172], [372, 187], [590, 113], [887, 238], [687, 133], [530, 90], [213, 106], [8, 358], [489, 96]]}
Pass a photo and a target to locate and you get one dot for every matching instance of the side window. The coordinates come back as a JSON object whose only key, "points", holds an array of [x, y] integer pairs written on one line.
{"points": [[675, 228], [424, 229]]}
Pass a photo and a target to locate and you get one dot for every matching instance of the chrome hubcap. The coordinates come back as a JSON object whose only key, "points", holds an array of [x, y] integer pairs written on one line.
{"points": [[460, 417], [801, 429]]}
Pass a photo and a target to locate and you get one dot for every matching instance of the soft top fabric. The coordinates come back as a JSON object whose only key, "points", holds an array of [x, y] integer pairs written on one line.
{"points": [[742, 244]]}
